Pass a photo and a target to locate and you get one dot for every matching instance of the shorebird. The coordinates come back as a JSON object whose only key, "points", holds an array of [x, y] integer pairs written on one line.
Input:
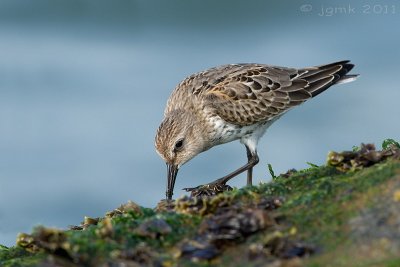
{"points": [[235, 102]]}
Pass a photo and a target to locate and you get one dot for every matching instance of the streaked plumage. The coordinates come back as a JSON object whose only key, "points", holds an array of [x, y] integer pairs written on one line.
{"points": [[236, 101]]}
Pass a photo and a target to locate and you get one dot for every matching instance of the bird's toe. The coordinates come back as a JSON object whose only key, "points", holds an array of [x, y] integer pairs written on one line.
{"points": [[207, 190]]}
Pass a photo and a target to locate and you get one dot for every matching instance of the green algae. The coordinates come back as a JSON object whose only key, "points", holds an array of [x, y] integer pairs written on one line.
{"points": [[390, 142], [307, 211], [19, 257], [90, 244]]}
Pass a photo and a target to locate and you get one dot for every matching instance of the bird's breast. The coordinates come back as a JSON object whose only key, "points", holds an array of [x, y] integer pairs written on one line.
{"points": [[223, 132]]}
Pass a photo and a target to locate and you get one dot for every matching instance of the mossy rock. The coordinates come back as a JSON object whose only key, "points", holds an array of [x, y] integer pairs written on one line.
{"points": [[346, 213]]}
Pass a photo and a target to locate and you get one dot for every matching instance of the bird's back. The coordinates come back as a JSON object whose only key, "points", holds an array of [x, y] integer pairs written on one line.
{"points": [[245, 94]]}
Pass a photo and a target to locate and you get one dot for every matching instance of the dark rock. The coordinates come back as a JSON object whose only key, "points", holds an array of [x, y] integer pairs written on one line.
{"points": [[153, 228]]}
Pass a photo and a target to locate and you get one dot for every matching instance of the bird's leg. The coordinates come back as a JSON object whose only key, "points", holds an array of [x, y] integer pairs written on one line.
{"points": [[250, 170], [252, 160], [220, 184]]}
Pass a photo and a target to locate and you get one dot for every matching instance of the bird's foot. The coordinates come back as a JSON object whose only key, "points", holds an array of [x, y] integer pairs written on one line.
{"points": [[210, 189]]}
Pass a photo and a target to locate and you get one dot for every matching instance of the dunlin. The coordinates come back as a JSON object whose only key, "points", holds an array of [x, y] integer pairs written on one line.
{"points": [[235, 102]]}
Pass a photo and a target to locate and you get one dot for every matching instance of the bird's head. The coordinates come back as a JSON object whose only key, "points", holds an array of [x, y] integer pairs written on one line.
{"points": [[177, 141]]}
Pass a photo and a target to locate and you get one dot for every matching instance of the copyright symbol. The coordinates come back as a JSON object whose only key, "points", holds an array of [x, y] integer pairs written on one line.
{"points": [[306, 8]]}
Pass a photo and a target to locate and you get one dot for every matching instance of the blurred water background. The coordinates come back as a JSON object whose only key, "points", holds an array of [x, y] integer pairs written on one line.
{"points": [[83, 86]]}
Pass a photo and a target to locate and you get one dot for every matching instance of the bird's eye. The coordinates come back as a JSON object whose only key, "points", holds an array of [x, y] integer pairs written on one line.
{"points": [[179, 144]]}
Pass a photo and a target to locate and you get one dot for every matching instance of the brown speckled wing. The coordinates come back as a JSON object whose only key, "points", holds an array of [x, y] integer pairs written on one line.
{"points": [[251, 93]]}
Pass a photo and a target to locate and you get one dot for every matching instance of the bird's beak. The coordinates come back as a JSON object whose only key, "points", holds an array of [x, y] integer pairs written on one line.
{"points": [[172, 172]]}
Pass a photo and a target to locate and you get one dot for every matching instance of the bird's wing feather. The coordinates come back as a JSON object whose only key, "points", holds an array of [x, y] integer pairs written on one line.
{"points": [[245, 94]]}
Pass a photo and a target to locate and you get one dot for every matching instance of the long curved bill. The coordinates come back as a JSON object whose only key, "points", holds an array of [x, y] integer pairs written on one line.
{"points": [[172, 171]]}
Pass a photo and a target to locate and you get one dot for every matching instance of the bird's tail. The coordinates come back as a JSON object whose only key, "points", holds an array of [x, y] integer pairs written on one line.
{"points": [[320, 78]]}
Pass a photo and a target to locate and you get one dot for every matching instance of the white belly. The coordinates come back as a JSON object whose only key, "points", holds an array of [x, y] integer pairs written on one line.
{"points": [[226, 132]]}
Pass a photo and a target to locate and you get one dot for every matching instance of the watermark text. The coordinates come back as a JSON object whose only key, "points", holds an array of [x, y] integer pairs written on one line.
{"points": [[349, 9]]}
